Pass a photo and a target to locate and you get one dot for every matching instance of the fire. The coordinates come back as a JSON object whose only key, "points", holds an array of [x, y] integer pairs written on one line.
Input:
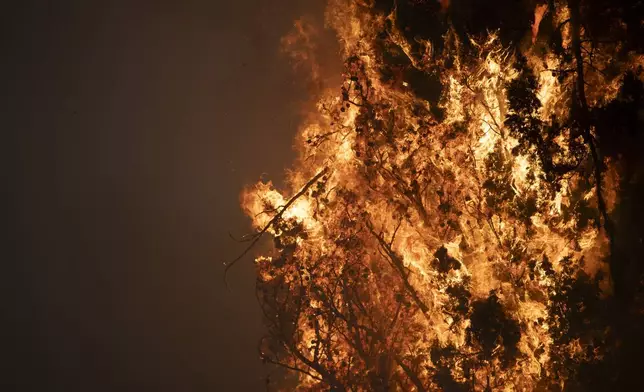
{"points": [[403, 231]]}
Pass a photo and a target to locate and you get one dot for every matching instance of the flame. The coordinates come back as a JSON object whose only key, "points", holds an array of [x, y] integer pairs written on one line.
{"points": [[415, 192], [539, 12]]}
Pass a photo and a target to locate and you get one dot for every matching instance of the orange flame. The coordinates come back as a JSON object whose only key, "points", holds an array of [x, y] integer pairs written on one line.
{"points": [[419, 187]]}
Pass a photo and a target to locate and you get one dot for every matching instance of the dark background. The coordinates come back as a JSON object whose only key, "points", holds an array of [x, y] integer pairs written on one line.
{"points": [[129, 129]]}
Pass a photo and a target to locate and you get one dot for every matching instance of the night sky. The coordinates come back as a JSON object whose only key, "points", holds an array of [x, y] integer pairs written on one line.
{"points": [[130, 127]]}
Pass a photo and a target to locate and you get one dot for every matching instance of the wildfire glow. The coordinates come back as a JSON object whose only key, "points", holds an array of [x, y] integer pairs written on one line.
{"points": [[416, 220]]}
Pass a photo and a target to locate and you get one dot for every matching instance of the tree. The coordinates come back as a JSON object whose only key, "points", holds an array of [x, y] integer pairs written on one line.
{"points": [[437, 234]]}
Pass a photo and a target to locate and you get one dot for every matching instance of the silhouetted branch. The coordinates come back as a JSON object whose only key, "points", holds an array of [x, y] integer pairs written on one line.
{"points": [[257, 236], [400, 267]]}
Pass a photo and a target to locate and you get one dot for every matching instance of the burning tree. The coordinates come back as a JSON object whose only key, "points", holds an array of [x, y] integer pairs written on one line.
{"points": [[448, 224]]}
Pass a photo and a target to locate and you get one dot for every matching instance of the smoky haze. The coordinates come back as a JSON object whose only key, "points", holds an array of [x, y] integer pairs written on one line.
{"points": [[132, 126]]}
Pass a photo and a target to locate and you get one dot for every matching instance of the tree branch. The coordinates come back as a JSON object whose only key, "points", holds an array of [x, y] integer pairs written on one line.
{"points": [[400, 267], [257, 236]]}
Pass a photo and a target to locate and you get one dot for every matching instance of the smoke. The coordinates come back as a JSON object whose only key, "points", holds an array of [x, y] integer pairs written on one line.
{"points": [[313, 52]]}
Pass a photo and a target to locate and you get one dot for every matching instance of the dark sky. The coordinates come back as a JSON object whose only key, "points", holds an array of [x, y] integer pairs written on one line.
{"points": [[130, 128]]}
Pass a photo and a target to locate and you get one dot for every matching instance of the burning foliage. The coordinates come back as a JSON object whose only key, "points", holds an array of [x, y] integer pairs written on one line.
{"points": [[451, 223]]}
